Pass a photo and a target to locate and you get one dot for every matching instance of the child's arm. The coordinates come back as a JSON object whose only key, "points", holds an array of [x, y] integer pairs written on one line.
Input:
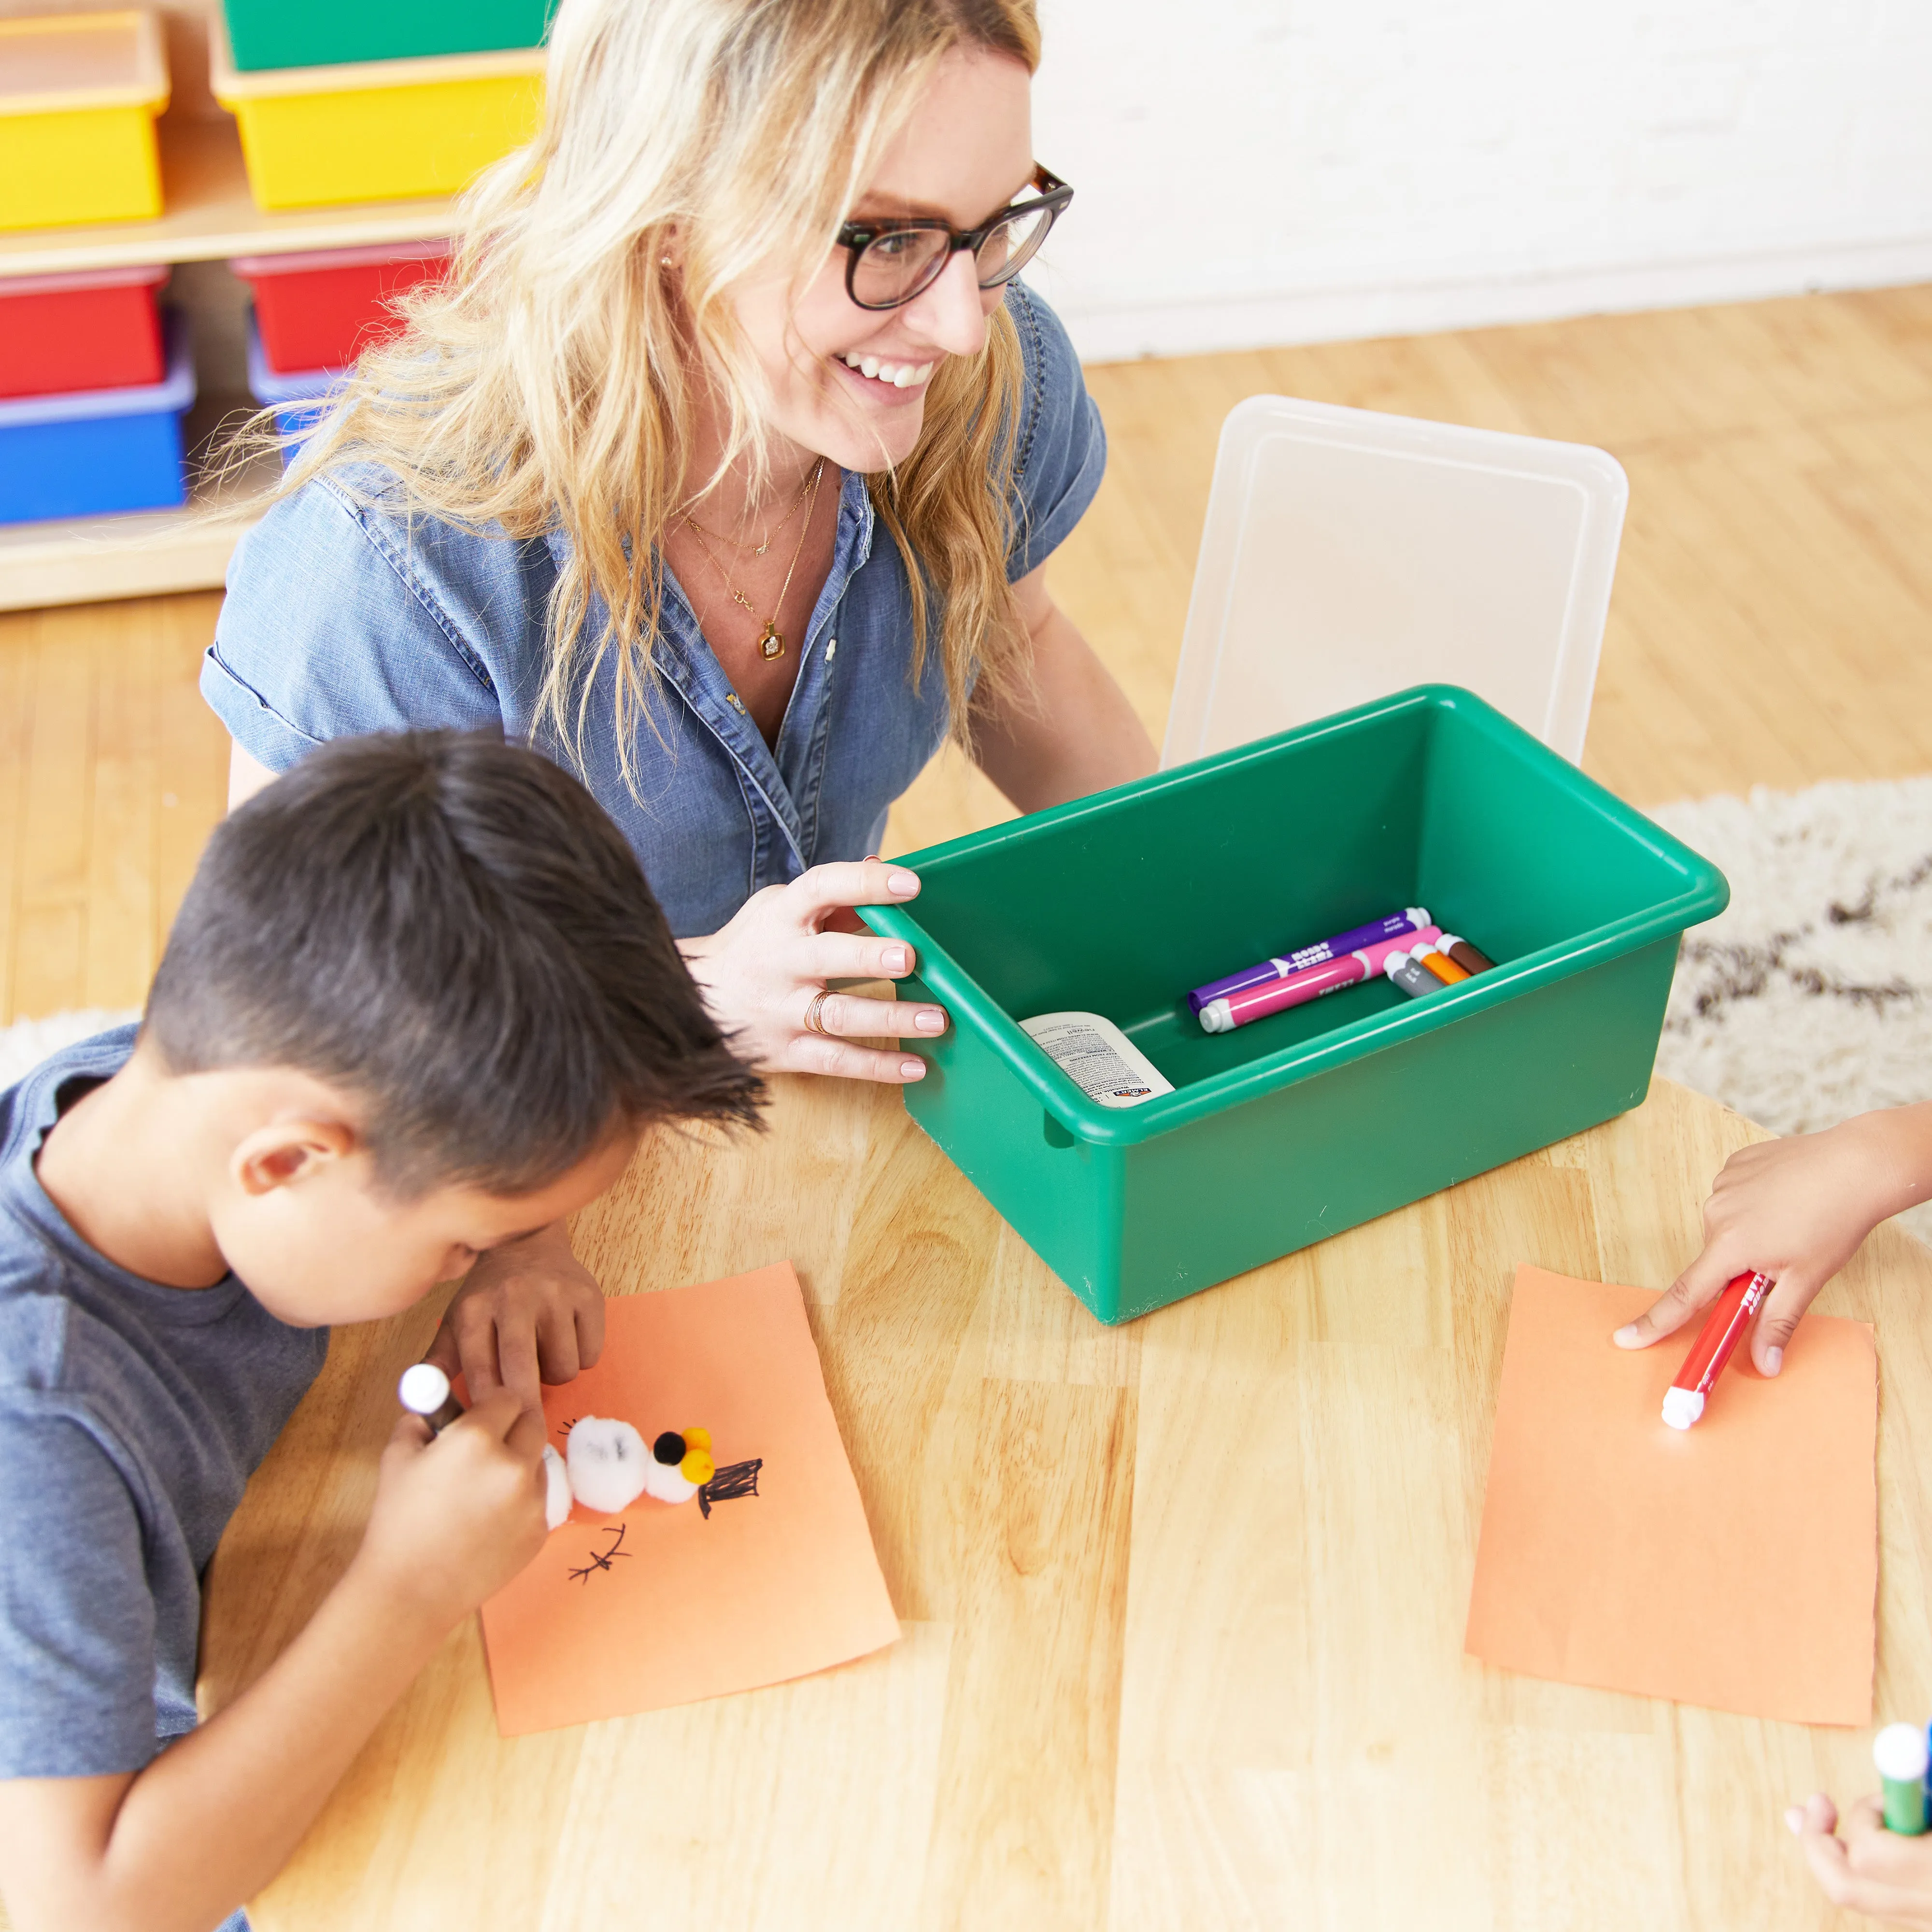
{"points": [[527, 1313], [177, 1846], [1796, 1210], [1870, 1869]]}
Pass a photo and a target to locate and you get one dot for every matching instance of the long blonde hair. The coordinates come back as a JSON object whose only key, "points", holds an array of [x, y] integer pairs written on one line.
{"points": [[548, 384]]}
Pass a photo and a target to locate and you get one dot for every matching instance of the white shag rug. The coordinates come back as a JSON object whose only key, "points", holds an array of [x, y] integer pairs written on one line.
{"points": [[1808, 1000]]}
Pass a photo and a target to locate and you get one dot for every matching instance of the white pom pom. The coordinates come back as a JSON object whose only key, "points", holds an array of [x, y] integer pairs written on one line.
{"points": [[668, 1483], [556, 1488], [608, 1461]]}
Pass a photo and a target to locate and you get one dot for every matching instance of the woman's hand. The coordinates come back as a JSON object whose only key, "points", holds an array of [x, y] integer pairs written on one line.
{"points": [[1796, 1209], [1870, 1869], [761, 974]]}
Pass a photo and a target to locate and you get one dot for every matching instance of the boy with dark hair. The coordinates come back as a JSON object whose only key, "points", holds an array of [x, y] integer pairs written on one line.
{"points": [[419, 1005]]}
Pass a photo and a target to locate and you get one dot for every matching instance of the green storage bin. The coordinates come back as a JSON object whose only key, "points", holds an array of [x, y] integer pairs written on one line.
{"points": [[264, 34], [1284, 1131]]}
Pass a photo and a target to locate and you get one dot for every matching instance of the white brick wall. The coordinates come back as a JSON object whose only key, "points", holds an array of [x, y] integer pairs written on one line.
{"points": [[1256, 171]]}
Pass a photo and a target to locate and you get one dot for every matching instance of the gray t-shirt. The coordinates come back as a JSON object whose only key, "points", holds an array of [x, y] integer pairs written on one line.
{"points": [[131, 1416]]}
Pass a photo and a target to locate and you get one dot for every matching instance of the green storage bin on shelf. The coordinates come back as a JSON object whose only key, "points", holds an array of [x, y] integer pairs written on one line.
{"points": [[1291, 1129], [265, 33]]}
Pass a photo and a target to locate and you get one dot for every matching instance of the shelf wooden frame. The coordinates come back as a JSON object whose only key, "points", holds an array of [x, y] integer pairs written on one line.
{"points": [[210, 216]]}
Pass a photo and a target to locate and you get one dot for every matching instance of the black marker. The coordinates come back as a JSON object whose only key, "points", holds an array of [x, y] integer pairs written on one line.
{"points": [[424, 1391]]}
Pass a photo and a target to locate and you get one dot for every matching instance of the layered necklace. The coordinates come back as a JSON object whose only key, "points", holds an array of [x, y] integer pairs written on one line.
{"points": [[771, 639]]}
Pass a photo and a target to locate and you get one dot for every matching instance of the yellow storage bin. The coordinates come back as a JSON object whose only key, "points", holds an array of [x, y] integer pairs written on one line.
{"points": [[377, 131], [78, 93]]}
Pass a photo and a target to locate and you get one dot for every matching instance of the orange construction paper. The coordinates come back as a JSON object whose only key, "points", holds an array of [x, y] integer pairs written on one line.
{"points": [[1733, 1564], [768, 1587]]}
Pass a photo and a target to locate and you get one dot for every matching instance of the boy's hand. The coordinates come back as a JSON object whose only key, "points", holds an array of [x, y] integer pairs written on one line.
{"points": [[1870, 1869], [528, 1313], [457, 1515], [1796, 1209]]}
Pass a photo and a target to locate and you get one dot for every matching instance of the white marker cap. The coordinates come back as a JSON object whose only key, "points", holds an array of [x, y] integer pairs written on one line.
{"points": [[1681, 1406], [1419, 914], [1216, 1017], [1392, 961], [1899, 1752], [423, 1388]]}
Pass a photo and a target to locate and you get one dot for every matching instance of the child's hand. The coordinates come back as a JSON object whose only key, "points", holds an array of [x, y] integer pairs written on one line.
{"points": [[1870, 1869], [1796, 1209], [458, 1515], [526, 1314]]}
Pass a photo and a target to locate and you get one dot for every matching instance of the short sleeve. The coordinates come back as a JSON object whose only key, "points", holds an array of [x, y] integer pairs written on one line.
{"points": [[77, 1643], [334, 625], [1063, 448]]}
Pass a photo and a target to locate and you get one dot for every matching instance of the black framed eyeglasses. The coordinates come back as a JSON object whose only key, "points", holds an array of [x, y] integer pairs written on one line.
{"points": [[889, 263]]}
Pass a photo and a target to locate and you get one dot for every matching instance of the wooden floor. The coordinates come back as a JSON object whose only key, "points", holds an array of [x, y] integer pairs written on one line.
{"points": [[1771, 623]]}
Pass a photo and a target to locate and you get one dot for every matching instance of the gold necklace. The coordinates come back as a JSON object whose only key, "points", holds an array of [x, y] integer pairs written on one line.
{"points": [[759, 550], [771, 639]]}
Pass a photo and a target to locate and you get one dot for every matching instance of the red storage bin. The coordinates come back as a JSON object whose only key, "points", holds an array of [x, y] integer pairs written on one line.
{"points": [[317, 310], [98, 330]]}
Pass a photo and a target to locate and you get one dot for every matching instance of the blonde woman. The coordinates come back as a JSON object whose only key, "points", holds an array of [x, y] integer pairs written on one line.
{"points": [[724, 470]]}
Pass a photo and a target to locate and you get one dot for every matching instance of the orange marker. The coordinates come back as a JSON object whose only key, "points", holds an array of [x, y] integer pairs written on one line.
{"points": [[1444, 968]]}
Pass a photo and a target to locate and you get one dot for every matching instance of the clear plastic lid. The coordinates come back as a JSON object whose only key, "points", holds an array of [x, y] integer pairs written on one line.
{"points": [[1349, 554], [53, 65]]}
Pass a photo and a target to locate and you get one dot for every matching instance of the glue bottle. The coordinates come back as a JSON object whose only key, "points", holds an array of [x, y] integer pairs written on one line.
{"points": [[1901, 1754]]}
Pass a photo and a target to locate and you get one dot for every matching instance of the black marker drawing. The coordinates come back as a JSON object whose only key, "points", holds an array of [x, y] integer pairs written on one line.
{"points": [[602, 1560], [735, 1480]]}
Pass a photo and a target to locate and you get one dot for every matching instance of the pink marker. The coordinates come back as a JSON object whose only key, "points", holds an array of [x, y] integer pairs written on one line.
{"points": [[1255, 1003]]}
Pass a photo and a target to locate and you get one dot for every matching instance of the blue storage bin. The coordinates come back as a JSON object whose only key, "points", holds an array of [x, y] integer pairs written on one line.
{"points": [[299, 398], [93, 450]]}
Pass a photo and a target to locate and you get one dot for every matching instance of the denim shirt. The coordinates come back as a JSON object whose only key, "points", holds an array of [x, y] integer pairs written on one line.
{"points": [[343, 617]]}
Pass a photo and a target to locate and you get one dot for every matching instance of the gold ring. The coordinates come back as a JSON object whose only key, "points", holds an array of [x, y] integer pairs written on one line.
{"points": [[813, 1022]]}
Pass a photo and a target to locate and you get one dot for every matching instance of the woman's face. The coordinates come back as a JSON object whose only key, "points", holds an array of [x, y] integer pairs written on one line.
{"points": [[965, 154]]}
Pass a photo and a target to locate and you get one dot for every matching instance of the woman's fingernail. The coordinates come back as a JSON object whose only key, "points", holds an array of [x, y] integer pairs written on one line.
{"points": [[902, 885], [895, 957], [1774, 1360], [1794, 1820], [912, 1069], [1626, 1337], [929, 1019]]}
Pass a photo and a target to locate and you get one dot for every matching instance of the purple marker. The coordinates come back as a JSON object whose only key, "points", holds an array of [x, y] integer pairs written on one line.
{"points": [[1413, 919]]}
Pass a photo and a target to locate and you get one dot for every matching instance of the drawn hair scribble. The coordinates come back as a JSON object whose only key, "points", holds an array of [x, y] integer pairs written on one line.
{"points": [[735, 1480], [602, 1559]]}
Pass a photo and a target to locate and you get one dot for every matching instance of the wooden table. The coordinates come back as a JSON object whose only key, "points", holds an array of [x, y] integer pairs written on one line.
{"points": [[1183, 1603]]}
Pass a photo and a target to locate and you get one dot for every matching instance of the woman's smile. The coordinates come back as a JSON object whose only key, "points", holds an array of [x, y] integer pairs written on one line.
{"points": [[876, 375]]}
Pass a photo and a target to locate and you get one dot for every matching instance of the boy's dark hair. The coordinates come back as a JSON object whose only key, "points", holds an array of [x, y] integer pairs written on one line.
{"points": [[451, 929]]}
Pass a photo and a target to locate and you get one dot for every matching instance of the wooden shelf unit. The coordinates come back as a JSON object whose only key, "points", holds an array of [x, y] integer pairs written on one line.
{"points": [[210, 216]]}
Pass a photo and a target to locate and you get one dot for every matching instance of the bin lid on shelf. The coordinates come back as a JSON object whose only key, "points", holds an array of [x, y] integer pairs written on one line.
{"points": [[229, 85], [257, 267], [67, 63], [1347, 554], [172, 393], [150, 274]]}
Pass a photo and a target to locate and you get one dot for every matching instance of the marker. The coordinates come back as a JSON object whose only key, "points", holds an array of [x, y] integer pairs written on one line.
{"points": [[424, 1391], [1273, 996], [1412, 919], [1899, 1753], [1414, 980], [1432, 958], [1464, 955], [1730, 1315]]}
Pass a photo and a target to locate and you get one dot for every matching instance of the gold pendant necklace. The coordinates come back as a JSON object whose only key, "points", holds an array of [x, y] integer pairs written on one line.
{"points": [[771, 640]]}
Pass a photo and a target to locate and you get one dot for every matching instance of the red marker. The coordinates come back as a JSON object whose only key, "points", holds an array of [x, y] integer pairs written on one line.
{"points": [[1730, 1315]]}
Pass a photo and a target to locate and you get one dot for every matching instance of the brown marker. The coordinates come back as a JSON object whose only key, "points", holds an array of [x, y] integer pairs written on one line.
{"points": [[1464, 955]]}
